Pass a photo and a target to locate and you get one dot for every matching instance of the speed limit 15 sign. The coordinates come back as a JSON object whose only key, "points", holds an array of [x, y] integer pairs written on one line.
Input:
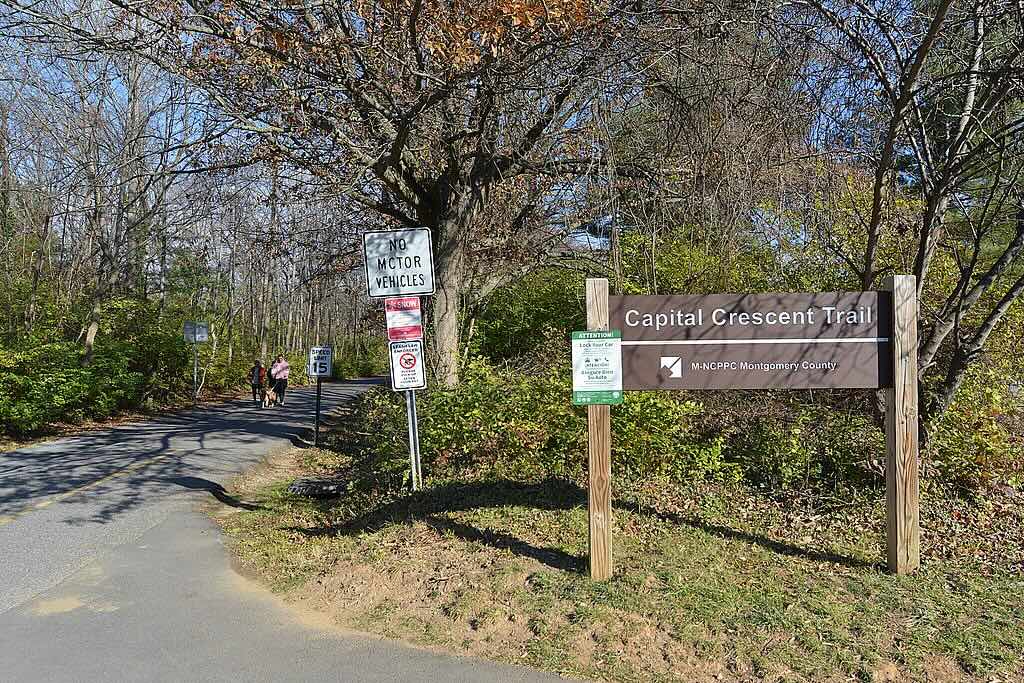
{"points": [[320, 361]]}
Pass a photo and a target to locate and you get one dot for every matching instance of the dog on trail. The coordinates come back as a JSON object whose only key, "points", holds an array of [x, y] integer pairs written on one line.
{"points": [[269, 397]]}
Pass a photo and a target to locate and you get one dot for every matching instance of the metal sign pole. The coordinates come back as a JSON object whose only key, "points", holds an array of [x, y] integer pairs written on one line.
{"points": [[195, 372], [410, 417], [316, 429], [416, 440]]}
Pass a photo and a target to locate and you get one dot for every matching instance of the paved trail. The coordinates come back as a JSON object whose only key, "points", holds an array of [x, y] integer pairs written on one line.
{"points": [[108, 573]]}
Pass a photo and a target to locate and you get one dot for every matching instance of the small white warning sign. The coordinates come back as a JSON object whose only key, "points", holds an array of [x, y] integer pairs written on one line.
{"points": [[407, 371]]}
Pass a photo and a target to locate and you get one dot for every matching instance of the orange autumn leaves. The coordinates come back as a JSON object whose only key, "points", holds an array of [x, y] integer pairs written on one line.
{"points": [[449, 34], [256, 47], [459, 33]]}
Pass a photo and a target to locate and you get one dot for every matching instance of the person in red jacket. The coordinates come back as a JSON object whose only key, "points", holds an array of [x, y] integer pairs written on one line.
{"points": [[257, 375]]}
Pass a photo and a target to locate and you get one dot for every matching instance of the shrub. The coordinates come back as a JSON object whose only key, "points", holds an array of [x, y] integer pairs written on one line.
{"points": [[806, 446], [971, 446], [45, 384], [139, 358], [772, 453], [514, 319], [505, 424], [499, 423], [366, 356], [661, 435], [509, 424]]}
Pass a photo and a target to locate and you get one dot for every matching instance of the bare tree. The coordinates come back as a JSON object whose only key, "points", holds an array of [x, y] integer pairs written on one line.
{"points": [[418, 112], [928, 97]]}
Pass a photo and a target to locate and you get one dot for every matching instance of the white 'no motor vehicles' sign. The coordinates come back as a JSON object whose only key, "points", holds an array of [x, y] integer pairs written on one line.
{"points": [[399, 262], [407, 370]]}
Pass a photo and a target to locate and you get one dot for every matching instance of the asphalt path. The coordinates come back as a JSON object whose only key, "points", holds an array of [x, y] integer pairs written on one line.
{"points": [[109, 573]]}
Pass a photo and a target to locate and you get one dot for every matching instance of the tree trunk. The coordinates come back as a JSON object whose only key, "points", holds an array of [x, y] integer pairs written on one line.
{"points": [[449, 281], [6, 176], [37, 269], [104, 285], [161, 307], [106, 276], [230, 327]]}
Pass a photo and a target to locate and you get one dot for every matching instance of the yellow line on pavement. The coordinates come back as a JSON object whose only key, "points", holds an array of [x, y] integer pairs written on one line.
{"points": [[7, 519]]}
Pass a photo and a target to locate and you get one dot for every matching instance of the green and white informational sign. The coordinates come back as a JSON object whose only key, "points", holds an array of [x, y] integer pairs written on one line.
{"points": [[597, 367]]}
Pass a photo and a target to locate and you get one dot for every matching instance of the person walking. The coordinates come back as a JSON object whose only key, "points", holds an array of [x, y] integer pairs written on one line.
{"points": [[257, 375], [280, 371]]}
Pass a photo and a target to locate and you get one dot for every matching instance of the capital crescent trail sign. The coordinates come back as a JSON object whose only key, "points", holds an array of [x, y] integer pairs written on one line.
{"points": [[755, 341], [830, 340]]}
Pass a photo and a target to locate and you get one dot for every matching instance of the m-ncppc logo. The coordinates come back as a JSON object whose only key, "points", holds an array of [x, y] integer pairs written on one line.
{"points": [[674, 364]]}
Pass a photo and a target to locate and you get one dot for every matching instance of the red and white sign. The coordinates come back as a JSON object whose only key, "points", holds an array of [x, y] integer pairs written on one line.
{"points": [[404, 318]]}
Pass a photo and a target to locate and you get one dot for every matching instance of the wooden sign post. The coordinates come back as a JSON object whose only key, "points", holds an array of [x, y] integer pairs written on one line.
{"points": [[902, 516], [828, 340], [599, 451]]}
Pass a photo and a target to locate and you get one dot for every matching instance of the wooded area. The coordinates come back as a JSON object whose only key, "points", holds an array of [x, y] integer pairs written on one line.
{"points": [[182, 159]]}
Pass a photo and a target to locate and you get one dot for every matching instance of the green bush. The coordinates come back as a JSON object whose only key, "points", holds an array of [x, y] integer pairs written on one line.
{"points": [[139, 358], [508, 424], [972, 445], [499, 423], [514, 319], [365, 356], [806, 446], [658, 434], [505, 424], [45, 384], [776, 454]]}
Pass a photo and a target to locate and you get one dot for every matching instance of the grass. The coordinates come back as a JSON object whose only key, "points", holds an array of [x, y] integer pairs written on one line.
{"points": [[710, 583]]}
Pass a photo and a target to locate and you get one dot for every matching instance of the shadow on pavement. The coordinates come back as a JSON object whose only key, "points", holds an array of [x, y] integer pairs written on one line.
{"points": [[215, 490], [125, 465]]}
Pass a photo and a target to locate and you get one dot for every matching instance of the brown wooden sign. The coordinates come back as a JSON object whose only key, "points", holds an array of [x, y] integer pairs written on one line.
{"points": [[755, 341], [767, 341]]}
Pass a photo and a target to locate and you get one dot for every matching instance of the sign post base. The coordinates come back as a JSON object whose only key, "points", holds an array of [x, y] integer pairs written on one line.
{"points": [[415, 469], [316, 427]]}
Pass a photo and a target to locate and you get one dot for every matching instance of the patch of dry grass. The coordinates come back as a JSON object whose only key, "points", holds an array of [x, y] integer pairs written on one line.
{"points": [[710, 584]]}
